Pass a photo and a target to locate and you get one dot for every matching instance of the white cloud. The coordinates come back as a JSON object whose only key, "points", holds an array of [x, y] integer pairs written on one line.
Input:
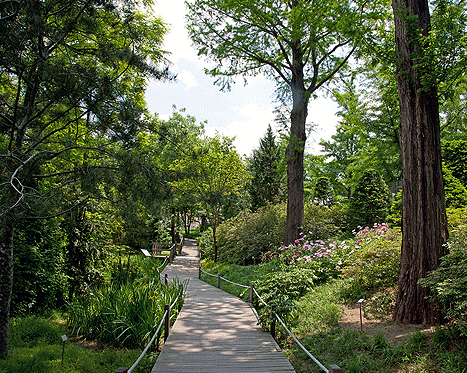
{"points": [[248, 128], [176, 41], [187, 78]]}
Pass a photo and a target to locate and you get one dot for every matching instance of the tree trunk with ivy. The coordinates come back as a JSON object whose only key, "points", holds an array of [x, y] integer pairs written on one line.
{"points": [[424, 211]]}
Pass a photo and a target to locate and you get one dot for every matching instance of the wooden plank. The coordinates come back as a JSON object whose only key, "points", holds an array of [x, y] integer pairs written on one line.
{"points": [[215, 332]]}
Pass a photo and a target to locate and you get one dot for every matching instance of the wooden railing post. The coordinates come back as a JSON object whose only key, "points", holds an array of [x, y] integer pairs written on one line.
{"points": [[334, 369], [251, 293], [218, 281], [199, 273], [166, 278], [273, 321], [167, 321]]}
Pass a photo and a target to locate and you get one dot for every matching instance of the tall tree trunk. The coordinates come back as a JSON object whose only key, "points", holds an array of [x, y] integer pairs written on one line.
{"points": [[294, 155], [6, 282], [424, 212]]}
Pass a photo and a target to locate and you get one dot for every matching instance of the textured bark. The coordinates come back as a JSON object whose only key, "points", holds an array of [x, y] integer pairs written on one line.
{"points": [[424, 212], [6, 282], [294, 156]]}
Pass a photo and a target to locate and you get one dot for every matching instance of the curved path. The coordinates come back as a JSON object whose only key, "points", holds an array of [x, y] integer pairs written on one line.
{"points": [[215, 331]]}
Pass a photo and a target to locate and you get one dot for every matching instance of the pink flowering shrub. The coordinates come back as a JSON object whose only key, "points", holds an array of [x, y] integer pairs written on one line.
{"points": [[325, 258], [374, 260]]}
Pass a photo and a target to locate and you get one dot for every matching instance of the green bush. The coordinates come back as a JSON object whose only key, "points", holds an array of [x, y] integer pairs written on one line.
{"points": [[448, 282], [323, 223], [284, 288], [370, 201], [249, 235], [456, 217], [125, 311], [374, 261], [455, 193], [323, 193], [206, 244], [39, 282]]}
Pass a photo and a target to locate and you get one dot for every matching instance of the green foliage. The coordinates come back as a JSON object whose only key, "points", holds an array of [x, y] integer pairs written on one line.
{"points": [[266, 177], [374, 262], [254, 236], [249, 235], [323, 223], [323, 193], [36, 346], [455, 157], [124, 316], [126, 311], [448, 282], [456, 217], [319, 309], [370, 201], [283, 288], [455, 193], [39, 281], [32, 331]]}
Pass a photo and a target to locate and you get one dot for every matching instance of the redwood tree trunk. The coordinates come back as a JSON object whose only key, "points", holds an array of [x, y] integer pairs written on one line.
{"points": [[424, 213], [294, 155], [6, 281]]}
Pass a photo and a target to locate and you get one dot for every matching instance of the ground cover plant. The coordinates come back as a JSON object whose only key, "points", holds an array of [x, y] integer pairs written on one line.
{"points": [[36, 346]]}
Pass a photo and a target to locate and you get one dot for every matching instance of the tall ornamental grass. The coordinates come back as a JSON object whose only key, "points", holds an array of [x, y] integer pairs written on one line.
{"points": [[124, 316], [127, 310]]}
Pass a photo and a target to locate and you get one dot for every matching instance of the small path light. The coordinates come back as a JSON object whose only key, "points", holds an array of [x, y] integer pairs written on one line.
{"points": [[64, 339], [361, 319]]}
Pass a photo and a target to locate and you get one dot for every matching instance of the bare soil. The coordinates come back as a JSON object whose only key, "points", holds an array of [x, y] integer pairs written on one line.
{"points": [[395, 334]]}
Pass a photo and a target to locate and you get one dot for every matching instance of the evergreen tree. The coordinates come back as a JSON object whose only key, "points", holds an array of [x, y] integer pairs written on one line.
{"points": [[370, 202], [265, 183]]}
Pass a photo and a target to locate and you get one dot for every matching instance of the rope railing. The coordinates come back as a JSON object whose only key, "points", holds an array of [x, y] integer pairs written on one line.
{"points": [[332, 368], [151, 341], [261, 299], [163, 263]]}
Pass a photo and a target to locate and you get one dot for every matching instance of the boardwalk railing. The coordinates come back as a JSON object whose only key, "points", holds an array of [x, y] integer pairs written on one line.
{"points": [[332, 368], [174, 249]]}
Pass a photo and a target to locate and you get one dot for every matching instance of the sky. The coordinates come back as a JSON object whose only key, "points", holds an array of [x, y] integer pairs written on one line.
{"points": [[243, 113]]}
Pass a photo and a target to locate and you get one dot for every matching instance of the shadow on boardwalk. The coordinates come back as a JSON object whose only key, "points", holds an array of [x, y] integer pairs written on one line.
{"points": [[215, 332]]}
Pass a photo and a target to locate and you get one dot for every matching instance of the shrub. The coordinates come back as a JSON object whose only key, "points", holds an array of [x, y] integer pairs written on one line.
{"points": [[325, 258], [375, 261], [323, 193], [323, 222], [455, 192], [284, 288], [456, 217], [370, 201], [249, 235], [449, 281]]}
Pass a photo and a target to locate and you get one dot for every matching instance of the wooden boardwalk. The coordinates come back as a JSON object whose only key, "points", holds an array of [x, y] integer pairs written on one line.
{"points": [[215, 331]]}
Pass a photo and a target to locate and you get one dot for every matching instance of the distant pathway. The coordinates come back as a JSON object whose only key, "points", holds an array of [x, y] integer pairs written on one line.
{"points": [[215, 331]]}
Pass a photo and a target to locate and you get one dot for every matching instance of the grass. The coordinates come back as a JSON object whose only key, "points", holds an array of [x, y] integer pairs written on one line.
{"points": [[36, 346]]}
